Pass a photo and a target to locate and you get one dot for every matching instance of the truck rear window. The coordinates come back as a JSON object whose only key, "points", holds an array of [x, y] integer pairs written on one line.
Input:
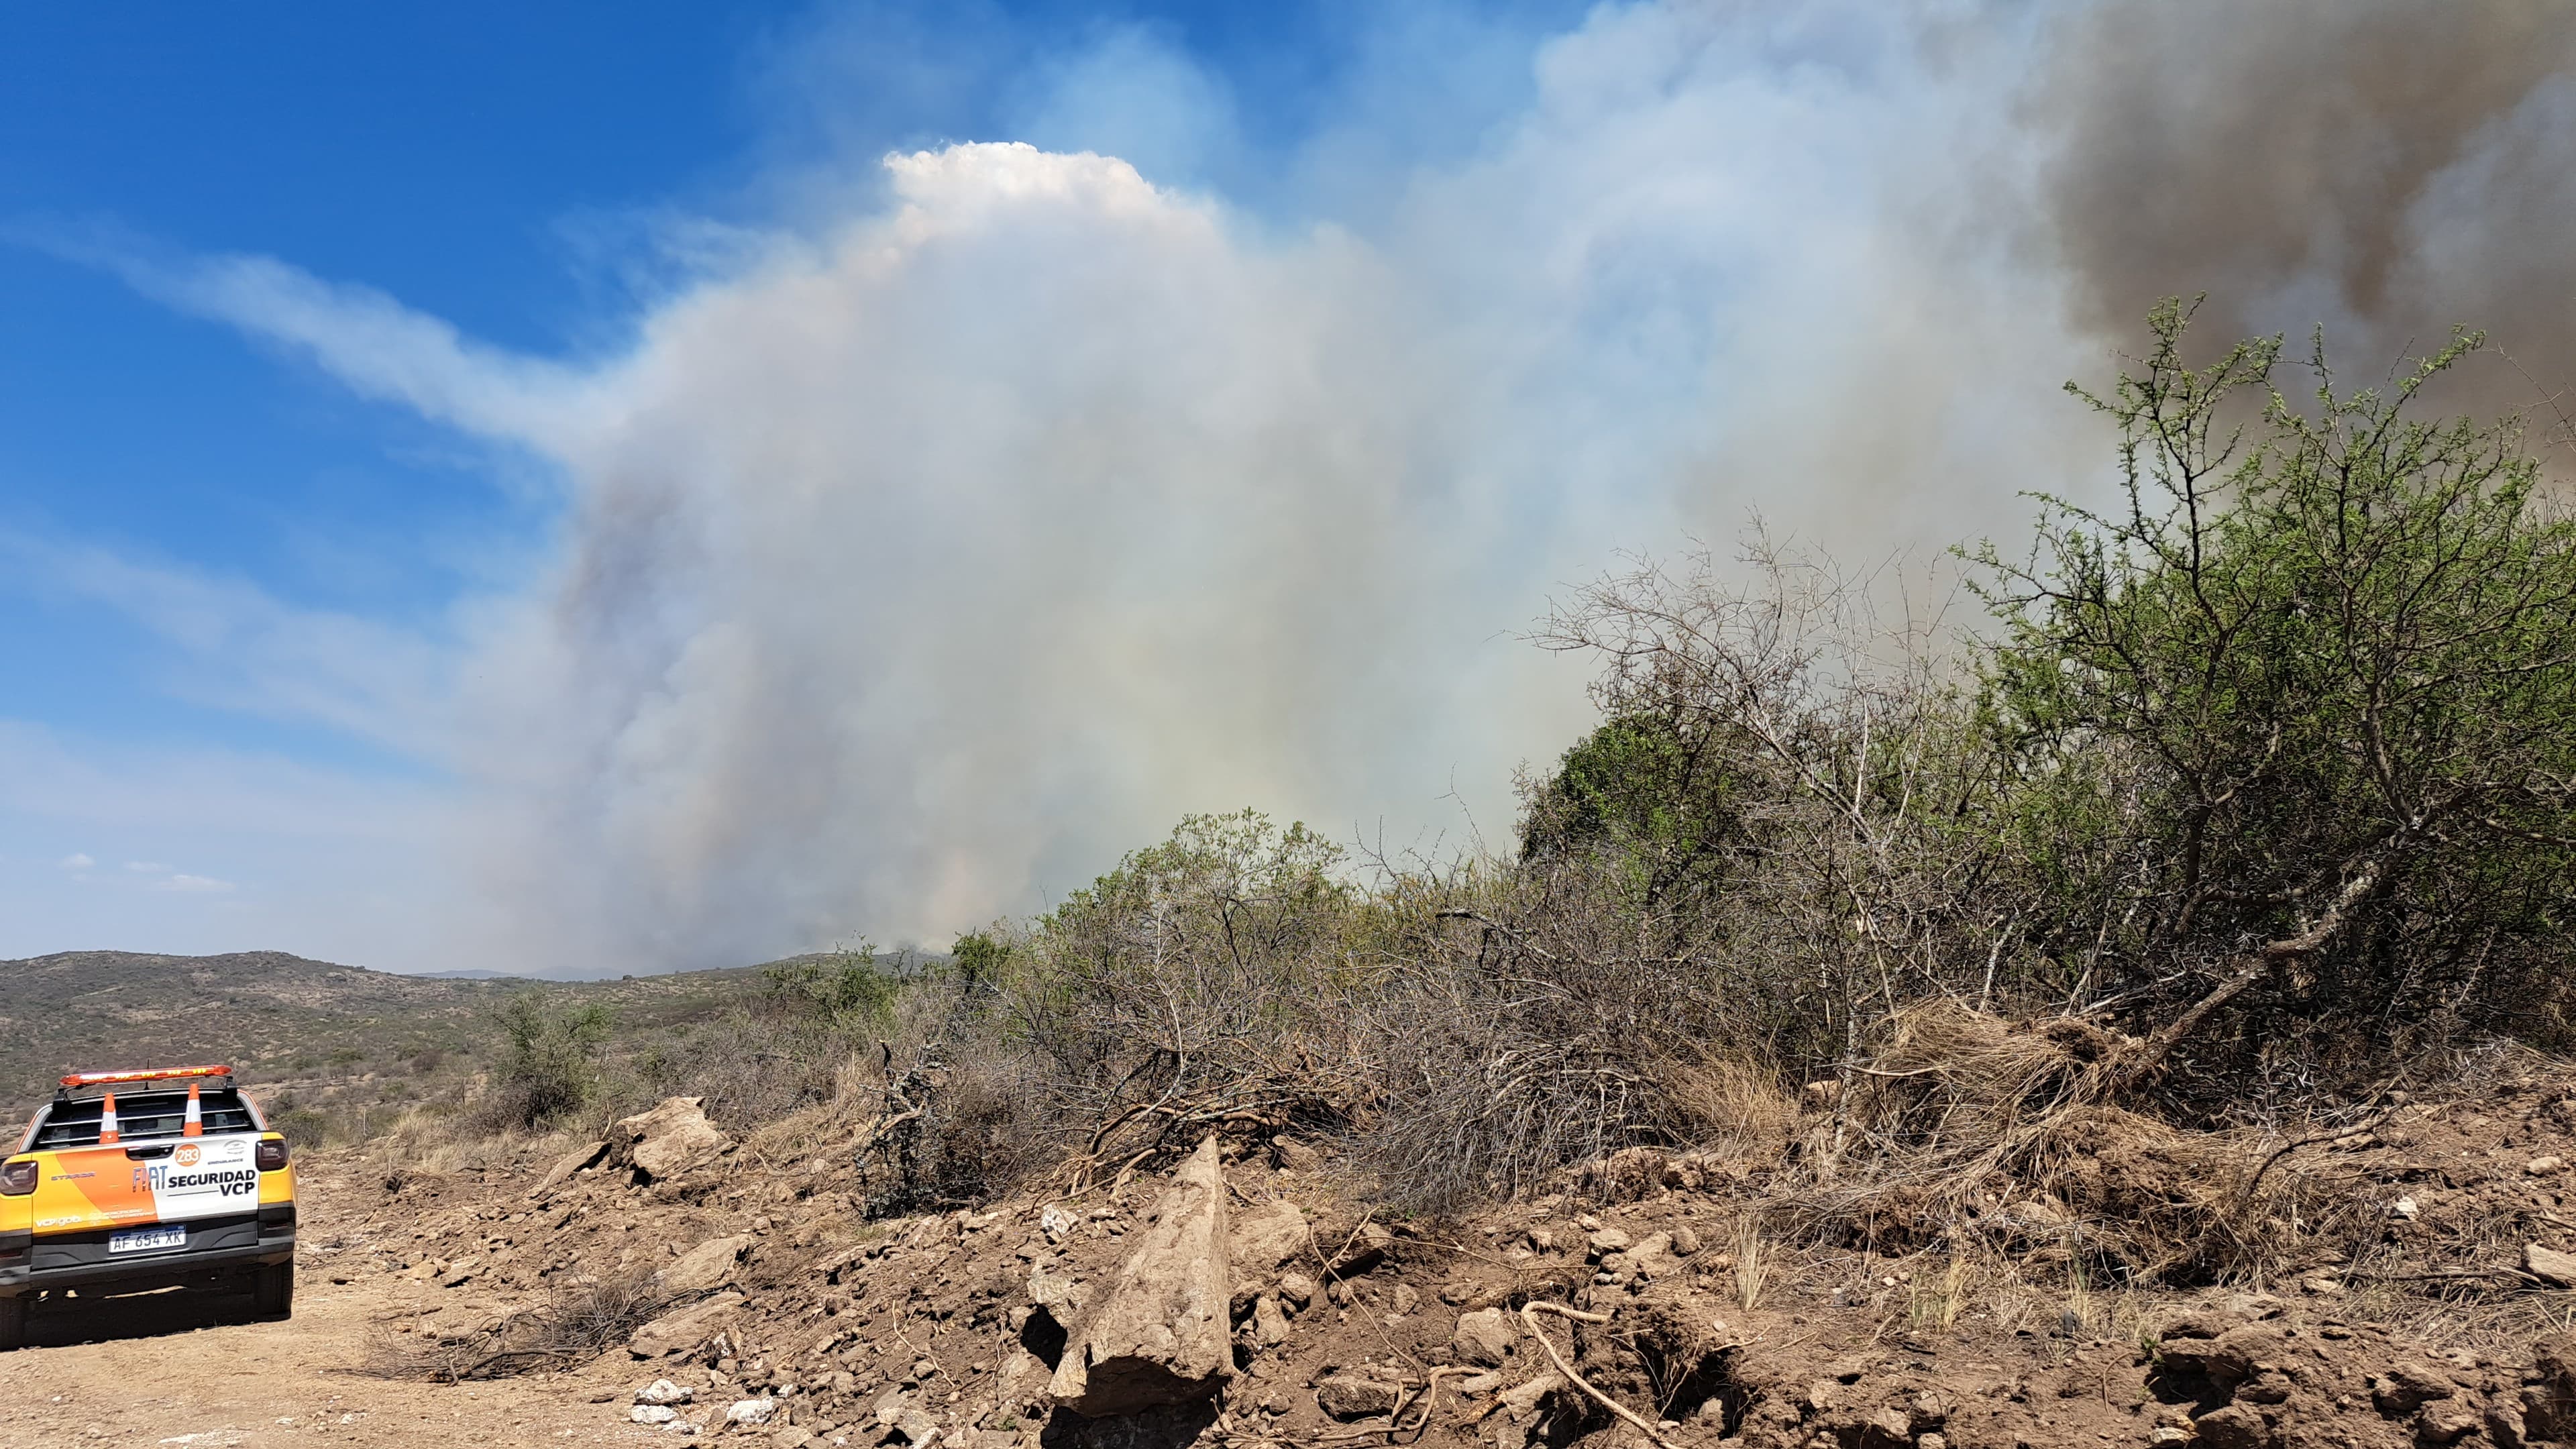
{"points": [[141, 1116]]}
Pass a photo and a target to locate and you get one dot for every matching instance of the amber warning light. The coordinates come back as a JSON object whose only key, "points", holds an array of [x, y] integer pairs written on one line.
{"points": [[156, 1074]]}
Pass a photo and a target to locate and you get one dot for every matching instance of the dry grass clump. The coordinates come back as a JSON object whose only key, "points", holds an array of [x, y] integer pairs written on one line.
{"points": [[1752, 1248], [1935, 1300], [1733, 1106], [437, 1141], [1987, 1139], [576, 1321], [1954, 1103]]}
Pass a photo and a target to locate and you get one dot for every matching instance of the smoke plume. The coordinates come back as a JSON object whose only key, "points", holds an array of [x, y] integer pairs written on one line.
{"points": [[930, 551], [2385, 169], [923, 566]]}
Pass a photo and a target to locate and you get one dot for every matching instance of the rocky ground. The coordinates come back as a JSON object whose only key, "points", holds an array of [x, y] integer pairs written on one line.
{"points": [[1252, 1298]]}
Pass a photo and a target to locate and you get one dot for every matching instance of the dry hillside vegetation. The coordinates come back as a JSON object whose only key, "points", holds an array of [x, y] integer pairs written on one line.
{"points": [[2136, 1019]]}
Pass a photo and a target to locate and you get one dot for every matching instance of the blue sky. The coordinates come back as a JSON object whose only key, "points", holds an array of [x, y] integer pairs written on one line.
{"points": [[449, 157], [582, 488], [512, 170]]}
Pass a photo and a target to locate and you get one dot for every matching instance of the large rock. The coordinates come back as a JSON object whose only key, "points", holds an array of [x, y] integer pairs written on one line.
{"points": [[684, 1330], [2550, 1265], [703, 1267], [1518, 1402], [671, 1138], [2232, 1426], [903, 1413], [1054, 1289], [2223, 1355], [1649, 1260], [1266, 1237], [1484, 1337], [1160, 1334]]}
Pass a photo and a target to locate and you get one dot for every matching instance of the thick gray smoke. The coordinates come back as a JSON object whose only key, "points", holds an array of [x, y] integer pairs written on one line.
{"points": [[926, 563], [926, 555], [2386, 168]]}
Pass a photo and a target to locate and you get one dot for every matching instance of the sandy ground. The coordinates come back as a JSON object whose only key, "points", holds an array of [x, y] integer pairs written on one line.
{"points": [[202, 1371]]}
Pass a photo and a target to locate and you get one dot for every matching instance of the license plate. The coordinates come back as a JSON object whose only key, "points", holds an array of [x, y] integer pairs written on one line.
{"points": [[145, 1240]]}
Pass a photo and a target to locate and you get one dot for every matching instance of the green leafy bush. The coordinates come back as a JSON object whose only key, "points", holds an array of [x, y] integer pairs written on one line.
{"points": [[846, 990], [2296, 722], [549, 1061]]}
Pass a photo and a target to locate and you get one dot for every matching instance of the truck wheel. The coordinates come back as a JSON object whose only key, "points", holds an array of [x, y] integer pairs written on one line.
{"points": [[13, 1323], [274, 1288]]}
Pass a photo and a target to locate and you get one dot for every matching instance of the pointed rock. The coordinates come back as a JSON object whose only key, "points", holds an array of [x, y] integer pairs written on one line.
{"points": [[683, 1330], [1160, 1334]]}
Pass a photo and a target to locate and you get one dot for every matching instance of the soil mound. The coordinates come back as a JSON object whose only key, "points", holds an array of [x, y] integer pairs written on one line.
{"points": [[1655, 1299]]}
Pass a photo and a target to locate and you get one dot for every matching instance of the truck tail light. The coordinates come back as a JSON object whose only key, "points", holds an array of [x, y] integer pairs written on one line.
{"points": [[17, 1179], [271, 1154]]}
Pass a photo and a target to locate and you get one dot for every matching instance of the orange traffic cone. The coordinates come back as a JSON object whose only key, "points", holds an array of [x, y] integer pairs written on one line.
{"points": [[194, 1125], [107, 1121]]}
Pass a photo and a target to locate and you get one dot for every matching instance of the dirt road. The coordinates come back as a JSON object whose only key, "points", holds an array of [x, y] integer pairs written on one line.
{"points": [[200, 1372]]}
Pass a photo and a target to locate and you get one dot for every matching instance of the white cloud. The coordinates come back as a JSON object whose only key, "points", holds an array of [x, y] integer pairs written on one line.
{"points": [[77, 861], [192, 884]]}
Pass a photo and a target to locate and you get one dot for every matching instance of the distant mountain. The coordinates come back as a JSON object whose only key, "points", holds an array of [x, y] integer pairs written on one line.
{"points": [[266, 1012], [278, 1018]]}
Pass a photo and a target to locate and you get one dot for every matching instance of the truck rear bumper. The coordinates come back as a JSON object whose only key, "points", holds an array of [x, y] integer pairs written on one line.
{"points": [[30, 1265]]}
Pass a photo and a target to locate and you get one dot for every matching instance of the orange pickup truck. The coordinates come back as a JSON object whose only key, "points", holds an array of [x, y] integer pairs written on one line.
{"points": [[148, 1179]]}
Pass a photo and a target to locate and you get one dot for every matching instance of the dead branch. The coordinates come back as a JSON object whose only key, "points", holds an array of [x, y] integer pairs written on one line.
{"points": [[2150, 1056], [1529, 1320]]}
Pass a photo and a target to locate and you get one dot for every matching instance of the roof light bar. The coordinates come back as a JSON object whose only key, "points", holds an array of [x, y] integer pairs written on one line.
{"points": [[155, 1074]]}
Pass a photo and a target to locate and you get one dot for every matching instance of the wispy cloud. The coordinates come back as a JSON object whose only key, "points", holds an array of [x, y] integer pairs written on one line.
{"points": [[368, 340], [77, 861], [187, 884], [243, 649]]}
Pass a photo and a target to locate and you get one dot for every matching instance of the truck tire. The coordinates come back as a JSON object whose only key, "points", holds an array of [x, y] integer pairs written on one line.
{"points": [[13, 1323], [273, 1286]]}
